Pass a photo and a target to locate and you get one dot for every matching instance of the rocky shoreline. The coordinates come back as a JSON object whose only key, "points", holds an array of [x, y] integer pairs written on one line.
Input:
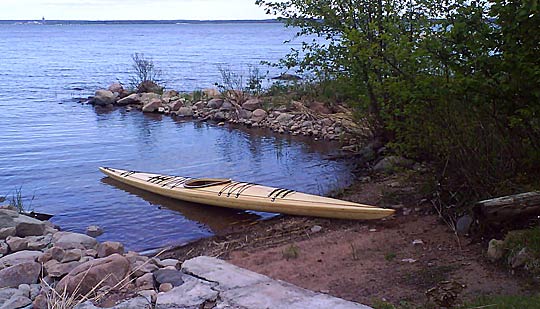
{"points": [[42, 267], [313, 119]]}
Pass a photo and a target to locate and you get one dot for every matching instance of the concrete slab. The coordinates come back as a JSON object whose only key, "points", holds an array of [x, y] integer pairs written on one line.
{"points": [[241, 288]]}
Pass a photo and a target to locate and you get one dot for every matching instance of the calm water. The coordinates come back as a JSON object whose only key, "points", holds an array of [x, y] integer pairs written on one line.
{"points": [[51, 146]]}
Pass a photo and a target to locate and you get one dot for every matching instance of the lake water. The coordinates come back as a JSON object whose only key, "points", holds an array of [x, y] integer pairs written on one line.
{"points": [[51, 146]]}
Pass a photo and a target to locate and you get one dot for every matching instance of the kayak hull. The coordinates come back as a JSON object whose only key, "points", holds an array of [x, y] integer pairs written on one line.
{"points": [[248, 196]]}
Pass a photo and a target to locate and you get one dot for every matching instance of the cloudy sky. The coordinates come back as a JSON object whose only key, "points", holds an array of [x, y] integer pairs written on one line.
{"points": [[130, 9]]}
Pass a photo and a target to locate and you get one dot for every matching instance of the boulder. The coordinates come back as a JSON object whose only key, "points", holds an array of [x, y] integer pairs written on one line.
{"points": [[390, 163], [176, 105], [495, 249], [130, 99], [169, 262], [520, 259], [110, 247], [211, 92], [215, 103], [170, 95], [184, 112], [173, 277], [220, 116], [199, 105], [110, 271], [7, 293], [19, 257], [55, 269], [116, 87], [7, 231], [252, 104], [14, 224], [226, 106], [104, 97], [287, 77], [69, 240], [22, 273], [152, 106], [54, 253], [141, 268], [463, 224], [17, 301], [71, 255], [4, 248], [258, 115], [94, 231], [284, 118], [149, 86], [244, 114], [38, 242], [16, 243], [145, 282]]}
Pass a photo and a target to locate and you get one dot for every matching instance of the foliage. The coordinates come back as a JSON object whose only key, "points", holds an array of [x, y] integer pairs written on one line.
{"points": [[17, 201], [235, 86], [454, 82], [144, 70], [515, 241], [506, 302]]}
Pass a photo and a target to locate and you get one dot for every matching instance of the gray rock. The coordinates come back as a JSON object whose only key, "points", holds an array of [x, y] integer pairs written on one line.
{"points": [[69, 240], [165, 287], [145, 282], [244, 114], [7, 231], [26, 272], [152, 106], [130, 99], [25, 289], [19, 257], [116, 87], [168, 262], [184, 112], [176, 105], [71, 255], [104, 97], [110, 247], [463, 225], [520, 259], [215, 103], [94, 231], [316, 229], [252, 104], [7, 293], [226, 106], [389, 164], [54, 253], [192, 294], [38, 242], [149, 86], [220, 116], [4, 248], [17, 244], [57, 269], [141, 268], [173, 277], [495, 249], [16, 302], [138, 302], [34, 290], [258, 115], [284, 118]]}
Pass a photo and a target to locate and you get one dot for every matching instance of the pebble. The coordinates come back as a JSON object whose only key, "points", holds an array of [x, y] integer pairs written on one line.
{"points": [[409, 261], [94, 231], [417, 242], [373, 230], [165, 287], [316, 229]]}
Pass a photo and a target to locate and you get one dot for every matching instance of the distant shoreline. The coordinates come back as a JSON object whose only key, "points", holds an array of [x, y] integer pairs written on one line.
{"points": [[144, 22]]}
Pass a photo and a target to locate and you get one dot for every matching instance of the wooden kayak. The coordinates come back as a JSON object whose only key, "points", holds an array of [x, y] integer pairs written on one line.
{"points": [[246, 196]]}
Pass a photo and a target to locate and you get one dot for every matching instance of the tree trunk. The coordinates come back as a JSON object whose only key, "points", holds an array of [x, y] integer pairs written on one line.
{"points": [[508, 210]]}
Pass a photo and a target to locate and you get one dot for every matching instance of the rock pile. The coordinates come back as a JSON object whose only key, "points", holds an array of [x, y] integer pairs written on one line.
{"points": [[296, 119], [38, 262]]}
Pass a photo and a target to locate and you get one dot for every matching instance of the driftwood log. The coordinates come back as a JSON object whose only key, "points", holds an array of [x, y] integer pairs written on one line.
{"points": [[508, 210]]}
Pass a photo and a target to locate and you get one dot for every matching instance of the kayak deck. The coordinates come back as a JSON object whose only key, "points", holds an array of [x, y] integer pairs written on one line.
{"points": [[246, 196]]}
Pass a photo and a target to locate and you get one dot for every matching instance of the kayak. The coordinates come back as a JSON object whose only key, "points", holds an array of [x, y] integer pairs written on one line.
{"points": [[229, 193]]}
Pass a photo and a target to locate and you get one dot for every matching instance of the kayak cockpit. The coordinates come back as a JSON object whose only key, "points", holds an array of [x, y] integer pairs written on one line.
{"points": [[205, 182]]}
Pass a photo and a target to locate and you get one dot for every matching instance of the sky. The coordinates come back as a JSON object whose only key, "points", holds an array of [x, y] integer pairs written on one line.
{"points": [[130, 10]]}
